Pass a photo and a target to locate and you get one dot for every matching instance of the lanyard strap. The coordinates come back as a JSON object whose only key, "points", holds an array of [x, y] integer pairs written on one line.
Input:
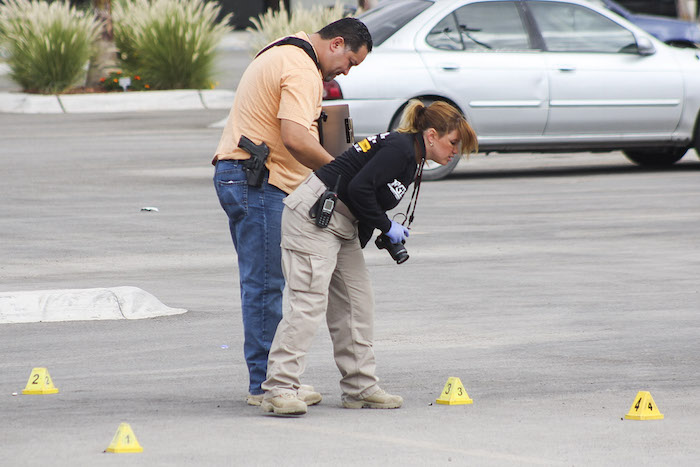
{"points": [[301, 43], [414, 195]]}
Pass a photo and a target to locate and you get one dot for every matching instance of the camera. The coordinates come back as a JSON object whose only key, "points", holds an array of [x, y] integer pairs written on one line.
{"points": [[396, 250]]}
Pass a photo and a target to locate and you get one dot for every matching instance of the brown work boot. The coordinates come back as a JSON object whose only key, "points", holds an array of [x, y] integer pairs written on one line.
{"points": [[286, 403], [307, 394], [378, 400]]}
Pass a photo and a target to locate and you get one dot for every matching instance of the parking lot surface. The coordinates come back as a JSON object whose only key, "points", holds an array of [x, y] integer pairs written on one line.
{"points": [[554, 286]]}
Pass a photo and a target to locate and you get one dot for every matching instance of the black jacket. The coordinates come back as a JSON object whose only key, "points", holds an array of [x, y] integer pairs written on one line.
{"points": [[374, 175]]}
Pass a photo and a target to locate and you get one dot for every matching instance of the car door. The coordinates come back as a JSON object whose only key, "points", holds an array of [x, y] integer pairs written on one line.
{"points": [[480, 55], [600, 86]]}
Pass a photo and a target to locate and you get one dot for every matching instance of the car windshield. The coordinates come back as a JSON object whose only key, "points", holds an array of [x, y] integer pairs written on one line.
{"points": [[389, 17]]}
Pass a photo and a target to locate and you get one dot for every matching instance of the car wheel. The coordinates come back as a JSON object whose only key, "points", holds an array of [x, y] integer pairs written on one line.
{"points": [[435, 171], [657, 157], [431, 170], [682, 44]]}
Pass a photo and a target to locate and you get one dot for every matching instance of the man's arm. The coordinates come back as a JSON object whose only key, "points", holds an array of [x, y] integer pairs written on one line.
{"points": [[303, 146]]}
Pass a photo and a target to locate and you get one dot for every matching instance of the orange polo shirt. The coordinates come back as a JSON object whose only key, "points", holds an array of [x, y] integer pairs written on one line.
{"points": [[282, 83]]}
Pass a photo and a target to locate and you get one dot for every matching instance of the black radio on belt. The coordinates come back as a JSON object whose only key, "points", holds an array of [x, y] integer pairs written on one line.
{"points": [[322, 210]]}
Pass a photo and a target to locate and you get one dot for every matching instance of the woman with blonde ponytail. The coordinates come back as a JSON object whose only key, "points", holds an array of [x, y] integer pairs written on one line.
{"points": [[439, 119], [324, 266]]}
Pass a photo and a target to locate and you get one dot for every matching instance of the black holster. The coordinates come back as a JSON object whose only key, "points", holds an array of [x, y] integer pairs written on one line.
{"points": [[255, 166]]}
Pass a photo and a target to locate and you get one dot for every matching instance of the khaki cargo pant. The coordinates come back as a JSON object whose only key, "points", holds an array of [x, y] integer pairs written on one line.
{"points": [[326, 276]]}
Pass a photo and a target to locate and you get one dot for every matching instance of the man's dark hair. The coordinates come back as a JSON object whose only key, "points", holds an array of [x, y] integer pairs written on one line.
{"points": [[352, 30]]}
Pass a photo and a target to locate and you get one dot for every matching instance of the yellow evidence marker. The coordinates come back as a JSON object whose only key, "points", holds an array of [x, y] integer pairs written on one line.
{"points": [[40, 383], [124, 440], [644, 408], [454, 393]]}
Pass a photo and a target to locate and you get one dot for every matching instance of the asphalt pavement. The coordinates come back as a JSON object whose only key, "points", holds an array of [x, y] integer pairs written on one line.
{"points": [[554, 286]]}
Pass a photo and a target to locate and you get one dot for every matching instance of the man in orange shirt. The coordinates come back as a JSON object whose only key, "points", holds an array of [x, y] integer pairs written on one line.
{"points": [[278, 102]]}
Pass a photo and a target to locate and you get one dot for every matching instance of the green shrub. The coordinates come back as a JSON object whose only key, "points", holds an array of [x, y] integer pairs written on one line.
{"points": [[47, 45], [272, 24], [111, 82], [172, 42]]}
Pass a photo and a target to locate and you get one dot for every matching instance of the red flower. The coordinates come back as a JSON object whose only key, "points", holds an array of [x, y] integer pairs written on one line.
{"points": [[147, 86], [115, 80], [102, 80], [137, 77]]}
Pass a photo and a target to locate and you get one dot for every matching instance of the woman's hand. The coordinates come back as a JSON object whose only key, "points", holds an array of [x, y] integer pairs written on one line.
{"points": [[397, 233]]}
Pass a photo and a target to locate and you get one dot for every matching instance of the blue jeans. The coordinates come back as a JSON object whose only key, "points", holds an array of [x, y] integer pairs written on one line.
{"points": [[255, 216]]}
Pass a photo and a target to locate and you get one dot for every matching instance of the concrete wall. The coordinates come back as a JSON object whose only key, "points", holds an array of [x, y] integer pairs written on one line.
{"points": [[244, 9], [308, 3], [654, 7]]}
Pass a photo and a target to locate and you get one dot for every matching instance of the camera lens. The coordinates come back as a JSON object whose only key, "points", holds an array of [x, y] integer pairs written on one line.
{"points": [[396, 250], [399, 253]]}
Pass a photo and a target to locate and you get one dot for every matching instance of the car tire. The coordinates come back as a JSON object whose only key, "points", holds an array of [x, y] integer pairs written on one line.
{"points": [[682, 44], [431, 170], [657, 157]]}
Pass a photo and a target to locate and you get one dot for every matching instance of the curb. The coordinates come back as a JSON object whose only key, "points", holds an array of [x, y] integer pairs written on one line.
{"points": [[188, 99], [81, 305]]}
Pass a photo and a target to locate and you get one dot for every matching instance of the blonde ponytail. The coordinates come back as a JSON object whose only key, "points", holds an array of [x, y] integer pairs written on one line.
{"points": [[410, 116], [443, 117]]}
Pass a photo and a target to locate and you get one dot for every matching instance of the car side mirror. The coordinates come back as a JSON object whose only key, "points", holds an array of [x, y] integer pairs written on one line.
{"points": [[645, 46]]}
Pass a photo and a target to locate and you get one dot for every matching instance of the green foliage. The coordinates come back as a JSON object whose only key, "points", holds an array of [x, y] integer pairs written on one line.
{"points": [[135, 82], [47, 44], [172, 42], [273, 25]]}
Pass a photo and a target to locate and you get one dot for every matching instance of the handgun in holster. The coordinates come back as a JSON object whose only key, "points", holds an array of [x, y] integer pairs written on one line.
{"points": [[255, 166]]}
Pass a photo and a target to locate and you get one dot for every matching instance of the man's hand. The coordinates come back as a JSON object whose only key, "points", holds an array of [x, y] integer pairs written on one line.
{"points": [[303, 146]]}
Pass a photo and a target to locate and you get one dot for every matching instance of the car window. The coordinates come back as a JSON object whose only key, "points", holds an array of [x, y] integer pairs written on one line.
{"points": [[388, 17], [445, 35], [572, 28], [481, 26]]}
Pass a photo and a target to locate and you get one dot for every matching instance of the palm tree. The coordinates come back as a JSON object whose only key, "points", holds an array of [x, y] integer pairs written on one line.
{"points": [[365, 5], [686, 9], [105, 56]]}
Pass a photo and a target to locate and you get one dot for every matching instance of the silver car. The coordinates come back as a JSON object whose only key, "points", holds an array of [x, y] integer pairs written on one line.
{"points": [[530, 76]]}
